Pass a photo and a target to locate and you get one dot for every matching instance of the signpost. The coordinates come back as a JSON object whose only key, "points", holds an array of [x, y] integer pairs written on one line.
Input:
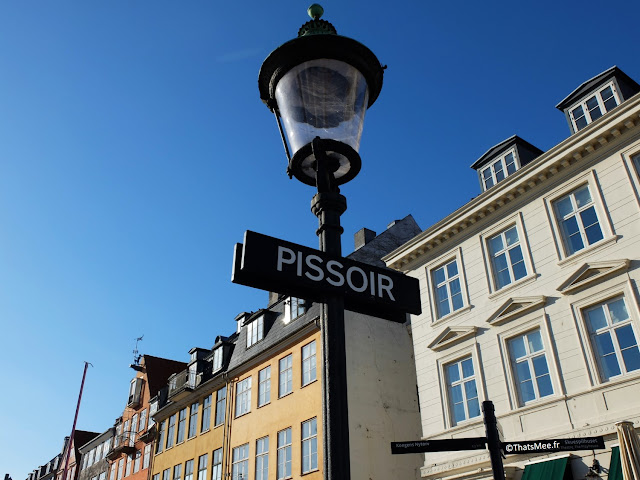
{"points": [[495, 446], [279, 266]]}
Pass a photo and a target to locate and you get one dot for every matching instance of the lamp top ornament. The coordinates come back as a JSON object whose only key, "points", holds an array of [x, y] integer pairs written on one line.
{"points": [[318, 39]]}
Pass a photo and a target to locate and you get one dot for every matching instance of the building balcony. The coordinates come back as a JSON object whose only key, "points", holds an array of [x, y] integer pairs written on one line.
{"points": [[182, 384], [122, 444]]}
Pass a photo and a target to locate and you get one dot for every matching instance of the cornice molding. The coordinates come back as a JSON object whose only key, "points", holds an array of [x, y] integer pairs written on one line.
{"points": [[577, 148]]}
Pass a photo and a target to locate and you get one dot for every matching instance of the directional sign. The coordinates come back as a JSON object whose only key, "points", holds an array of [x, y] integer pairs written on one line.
{"points": [[557, 445], [279, 266], [446, 445]]}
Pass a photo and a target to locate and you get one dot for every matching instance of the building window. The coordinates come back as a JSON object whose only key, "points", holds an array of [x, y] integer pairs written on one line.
{"points": [[296, 306], [264, 386], [126, 434], [507, 260], [221, 405], [461, 387], [578, 219], [171, 430], [217, 359], [112, 473], [127, 471], [262, 458], [134, 429], [446, 281], [177, 471], [530, 368], [636, 162], [286, 375], [193, 419], [153, 408], [202, 467], [284, 454], [499, 169], [243, 396], [255, 331], [143, 420], [120, 469], [206, 414], [136, 462], [309, 445], [135, 390], [166, 474], [147, 456], [182, 423], [309, 363], [240, 463], [216, 466], [594, 107], [188, 470], [161, 435], [613, 338]]}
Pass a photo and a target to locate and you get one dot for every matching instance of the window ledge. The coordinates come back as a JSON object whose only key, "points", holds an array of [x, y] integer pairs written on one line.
{"points": [[585, 251], [309, 383], [243, 414], [451, 315], [533, 404], [309, 472], [619, 379], [524, 280], [285, 395], [265, 404]]}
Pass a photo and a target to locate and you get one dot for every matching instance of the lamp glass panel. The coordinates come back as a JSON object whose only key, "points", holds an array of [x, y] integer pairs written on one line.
{"points": [[324, 97]]}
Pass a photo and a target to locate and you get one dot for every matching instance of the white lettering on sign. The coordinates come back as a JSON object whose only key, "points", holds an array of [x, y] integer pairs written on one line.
{"points": [[333, 272]]}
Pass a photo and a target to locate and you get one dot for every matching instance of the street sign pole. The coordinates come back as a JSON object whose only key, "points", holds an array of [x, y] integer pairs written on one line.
{"points": [[493, 439]]}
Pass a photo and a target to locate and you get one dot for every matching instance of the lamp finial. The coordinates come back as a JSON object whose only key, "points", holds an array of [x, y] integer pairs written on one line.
{"points": [[315, 11]]}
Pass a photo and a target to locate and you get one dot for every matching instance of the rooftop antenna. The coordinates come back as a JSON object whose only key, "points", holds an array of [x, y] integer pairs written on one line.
{"points": [[136, 355]]}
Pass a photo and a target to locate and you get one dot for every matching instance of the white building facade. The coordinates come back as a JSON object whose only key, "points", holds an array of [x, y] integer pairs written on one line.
{"points": [[530, 293]]}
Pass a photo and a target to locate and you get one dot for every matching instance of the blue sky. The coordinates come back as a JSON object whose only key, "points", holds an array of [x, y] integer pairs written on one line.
{"points": [[135, 151]]}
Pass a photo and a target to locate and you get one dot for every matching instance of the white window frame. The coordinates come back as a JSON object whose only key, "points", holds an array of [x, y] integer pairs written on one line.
{"points": [[528, 359], [240, 462], [506, 251], [433, 299], [262, 458], [243, 396], [583, 103], [589, 178], [284, 451], [517, 221], [255, 331], [136, 461], [631, 160], [192, 429], [491, 167], [206, 413], [533, 320], [177, 472], [143, 420], [203, 461], [285, 375], [146, 460], [264, 386], [217, 358], [467, 348], [216, 465], [171, 430], [309, 363], [188, 469], [588, 299], [461, 381], [221, 406], [182, 425], [309, 445], [166, 474]]}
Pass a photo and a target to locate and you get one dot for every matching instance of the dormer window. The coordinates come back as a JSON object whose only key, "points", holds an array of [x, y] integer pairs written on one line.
{"points": [[594, 106], [297, 306], [255, 331], [499, 169], [135, 390], [217, 359]]}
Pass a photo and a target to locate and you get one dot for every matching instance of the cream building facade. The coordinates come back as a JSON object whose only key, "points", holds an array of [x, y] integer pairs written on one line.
{"points": [[530, 294]]}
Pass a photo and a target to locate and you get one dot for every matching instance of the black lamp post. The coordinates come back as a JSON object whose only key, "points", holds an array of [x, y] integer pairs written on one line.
{"points": [[320, 85]]}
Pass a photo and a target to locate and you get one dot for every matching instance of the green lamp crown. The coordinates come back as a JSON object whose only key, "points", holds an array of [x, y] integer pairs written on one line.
{"points": [[316, 26]]}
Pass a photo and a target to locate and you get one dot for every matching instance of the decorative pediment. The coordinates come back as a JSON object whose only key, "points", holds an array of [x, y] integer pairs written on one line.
{"points": [[452, 335], [591, 273], [515, 307]]}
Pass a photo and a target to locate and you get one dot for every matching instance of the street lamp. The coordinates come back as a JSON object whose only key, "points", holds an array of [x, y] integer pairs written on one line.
{"points": [[319, 85]]}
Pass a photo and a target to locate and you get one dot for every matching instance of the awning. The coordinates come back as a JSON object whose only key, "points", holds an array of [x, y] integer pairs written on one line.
{"points": [[629, 450], [551, 470], [615, 468]]}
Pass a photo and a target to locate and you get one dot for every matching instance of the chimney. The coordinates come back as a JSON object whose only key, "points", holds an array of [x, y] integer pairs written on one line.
{"points": [[362, 237]]}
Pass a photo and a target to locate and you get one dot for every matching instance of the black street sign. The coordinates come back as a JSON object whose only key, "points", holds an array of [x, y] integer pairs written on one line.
{"points": [[279, 266], [446, 445], [557, 445]]}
